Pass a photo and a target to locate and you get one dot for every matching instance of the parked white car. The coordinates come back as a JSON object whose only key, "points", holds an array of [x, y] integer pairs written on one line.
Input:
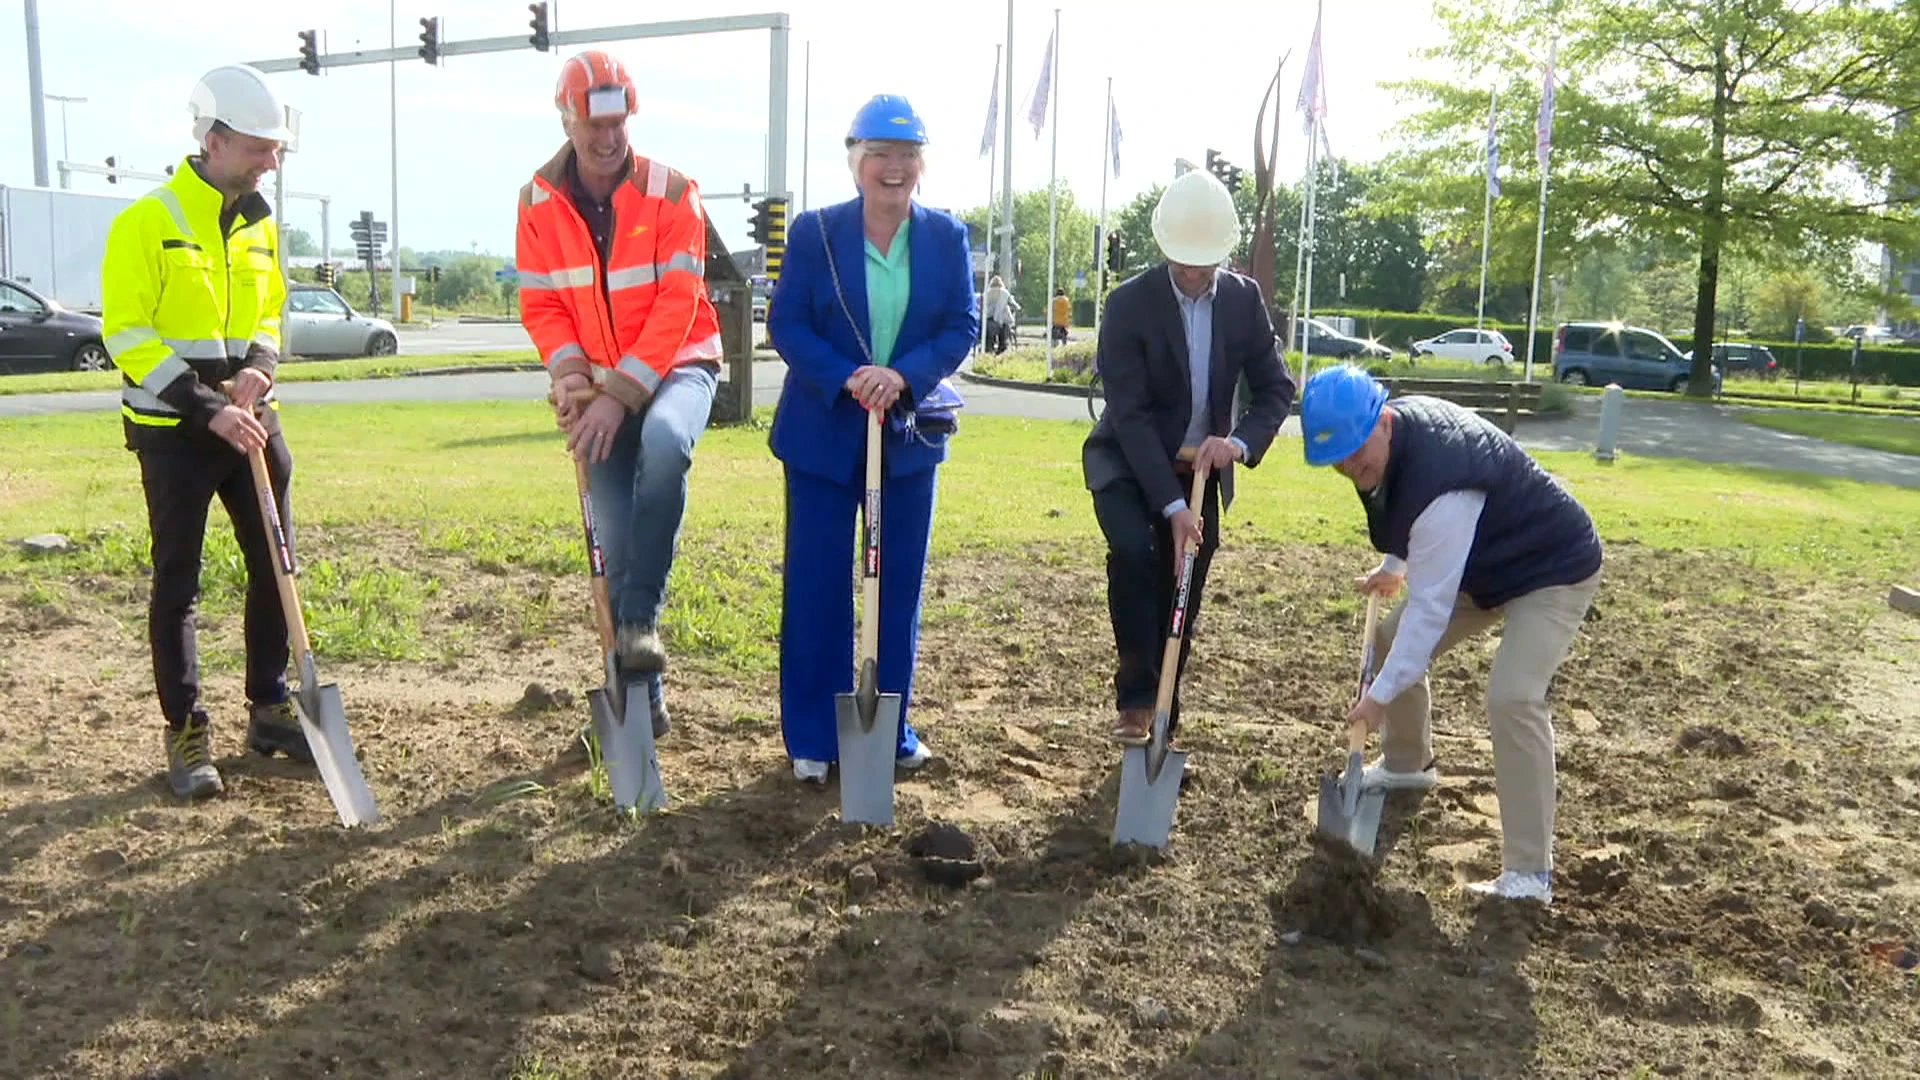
{"points": [[1473, 346], [320, 323]]}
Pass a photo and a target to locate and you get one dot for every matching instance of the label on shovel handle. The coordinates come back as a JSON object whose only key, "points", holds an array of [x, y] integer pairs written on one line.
{"points": [[596, 562], [281, 549], [871, 556]]}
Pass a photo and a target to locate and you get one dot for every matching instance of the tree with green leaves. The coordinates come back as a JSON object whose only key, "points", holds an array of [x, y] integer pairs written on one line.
{"points": [[1074, 245], [1765, 124]]}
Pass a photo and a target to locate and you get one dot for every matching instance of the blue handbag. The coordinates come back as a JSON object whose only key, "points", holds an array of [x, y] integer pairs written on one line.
{"points": [[938, 412]]}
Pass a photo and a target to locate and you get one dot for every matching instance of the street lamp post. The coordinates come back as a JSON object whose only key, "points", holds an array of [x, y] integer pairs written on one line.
{"points": [[66, 154]]}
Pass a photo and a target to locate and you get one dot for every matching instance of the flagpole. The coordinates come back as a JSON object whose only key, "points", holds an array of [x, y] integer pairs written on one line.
{"points": [[806, 123], [1306, 293], [1053, 190], [1006, 167], [993, 153], [1544, 151], [1486, 223], [1099, 246]]}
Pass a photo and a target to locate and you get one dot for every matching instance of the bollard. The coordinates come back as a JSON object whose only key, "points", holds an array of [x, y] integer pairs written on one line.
{"points": [[1611, 402]]}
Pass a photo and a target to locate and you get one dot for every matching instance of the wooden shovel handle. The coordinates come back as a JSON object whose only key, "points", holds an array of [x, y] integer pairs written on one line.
{"points": [[870, 547], [1177, 625], [281, 551], [1357, 731]]}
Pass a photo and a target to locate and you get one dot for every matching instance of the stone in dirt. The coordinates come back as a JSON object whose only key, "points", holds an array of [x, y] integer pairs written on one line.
{"points": [[599, 963], [1335, 896], [1904, 599], [862, 880], [46, 544]]}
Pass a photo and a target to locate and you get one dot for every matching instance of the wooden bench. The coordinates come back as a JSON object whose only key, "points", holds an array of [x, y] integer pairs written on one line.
{"points": [[1501, 402]]}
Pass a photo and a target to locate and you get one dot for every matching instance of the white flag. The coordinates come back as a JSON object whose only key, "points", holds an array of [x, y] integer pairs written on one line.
{"points": [[1113, 136], [993, 112], [1312, 102], [1493, 149], [1543, 127], [1037, 113]]}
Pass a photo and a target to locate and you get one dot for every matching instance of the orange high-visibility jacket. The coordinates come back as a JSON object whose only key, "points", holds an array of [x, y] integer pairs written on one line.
{"points": [[651, 315]]}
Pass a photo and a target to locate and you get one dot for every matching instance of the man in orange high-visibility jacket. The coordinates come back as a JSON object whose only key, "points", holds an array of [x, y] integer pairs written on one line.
{"points": [[611, 256]]}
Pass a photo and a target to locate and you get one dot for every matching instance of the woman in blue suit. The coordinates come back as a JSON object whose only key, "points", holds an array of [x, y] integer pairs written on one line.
{"points": [[874, 307]]}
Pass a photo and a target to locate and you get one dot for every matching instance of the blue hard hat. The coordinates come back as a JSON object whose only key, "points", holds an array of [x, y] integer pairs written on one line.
{"points": [[1337, 412], [887, 116]]}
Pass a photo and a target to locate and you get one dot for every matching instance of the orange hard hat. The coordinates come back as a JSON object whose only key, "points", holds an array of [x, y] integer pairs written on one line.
{"points": [[593, 85]]}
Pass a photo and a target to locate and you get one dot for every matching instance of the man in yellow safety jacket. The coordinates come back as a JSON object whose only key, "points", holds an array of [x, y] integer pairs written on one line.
{"points": [[191, 295]]}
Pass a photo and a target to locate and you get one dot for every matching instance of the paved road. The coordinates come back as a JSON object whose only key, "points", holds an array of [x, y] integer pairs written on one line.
{"points": [[1711, 433], [459, 337]]}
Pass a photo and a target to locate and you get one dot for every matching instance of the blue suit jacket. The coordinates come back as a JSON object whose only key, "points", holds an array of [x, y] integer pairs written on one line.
{"points": [[818, 427]]}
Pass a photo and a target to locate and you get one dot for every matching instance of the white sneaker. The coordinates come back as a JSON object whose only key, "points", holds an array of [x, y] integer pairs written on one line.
{"points": [[809, 772], [1378, 776], [920, 756], [1518, 885]]}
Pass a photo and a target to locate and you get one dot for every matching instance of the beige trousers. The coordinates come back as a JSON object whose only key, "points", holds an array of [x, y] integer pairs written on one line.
{"points": [[1538, 635]]}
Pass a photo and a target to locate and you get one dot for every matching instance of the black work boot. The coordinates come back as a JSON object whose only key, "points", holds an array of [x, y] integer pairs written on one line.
{"points": [[274, 727], [641, 652], [190, 771]]}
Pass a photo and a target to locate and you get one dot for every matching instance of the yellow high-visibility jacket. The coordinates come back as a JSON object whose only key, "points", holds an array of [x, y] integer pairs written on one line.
{"points": [[188, 301]]}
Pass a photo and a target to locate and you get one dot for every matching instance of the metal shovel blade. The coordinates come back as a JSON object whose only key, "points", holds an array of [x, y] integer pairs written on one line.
{"points": [[1349, 815], [627, 748], [323, 720], [866, 758], [1157, 744], [1145, 814]]}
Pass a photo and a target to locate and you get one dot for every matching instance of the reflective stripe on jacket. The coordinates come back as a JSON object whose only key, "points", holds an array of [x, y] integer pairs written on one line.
{"points": [[185, 305], [651, 314]]}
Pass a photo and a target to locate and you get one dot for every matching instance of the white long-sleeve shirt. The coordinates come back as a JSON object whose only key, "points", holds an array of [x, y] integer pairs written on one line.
{"points": [[1437, 549]]}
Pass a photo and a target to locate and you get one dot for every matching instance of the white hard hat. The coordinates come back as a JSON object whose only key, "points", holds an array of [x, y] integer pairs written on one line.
{"points": [[238, 96], [1194, 223]]}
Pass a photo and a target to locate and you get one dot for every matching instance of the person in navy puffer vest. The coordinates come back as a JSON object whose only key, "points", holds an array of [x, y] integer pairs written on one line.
{"points": [[1478, 533]]}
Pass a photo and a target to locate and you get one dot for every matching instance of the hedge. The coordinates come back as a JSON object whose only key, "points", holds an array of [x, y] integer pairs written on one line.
{"points": [[1825, 360]]}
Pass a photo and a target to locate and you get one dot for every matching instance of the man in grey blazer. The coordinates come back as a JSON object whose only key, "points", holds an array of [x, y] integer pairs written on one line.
{"points": [[1174, 344]]}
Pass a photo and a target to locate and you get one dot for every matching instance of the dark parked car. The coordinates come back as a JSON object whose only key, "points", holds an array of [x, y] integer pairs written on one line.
{"points": [[37, 334], [1736, 356], [1324, 340], [1589, 353]]}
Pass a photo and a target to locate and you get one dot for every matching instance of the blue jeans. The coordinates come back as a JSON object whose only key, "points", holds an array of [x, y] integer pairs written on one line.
{"points": [[640, 494]]}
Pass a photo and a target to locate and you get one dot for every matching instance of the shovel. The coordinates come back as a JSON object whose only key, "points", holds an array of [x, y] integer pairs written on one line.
{"points": [[1347, 814], [317, 705], [621, 711], [1150, 775], [867, 721]]}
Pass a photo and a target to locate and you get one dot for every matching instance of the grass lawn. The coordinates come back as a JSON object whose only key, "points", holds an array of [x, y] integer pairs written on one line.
{"points": [[1895, 434], [369, 367], [488, 481]]}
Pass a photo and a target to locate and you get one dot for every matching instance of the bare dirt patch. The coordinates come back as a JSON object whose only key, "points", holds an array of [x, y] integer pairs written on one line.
{"points": [[1737, 831]]}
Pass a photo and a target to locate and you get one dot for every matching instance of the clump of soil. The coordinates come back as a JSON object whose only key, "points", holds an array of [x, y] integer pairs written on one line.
{"points": [[1336, 896], [946, 854], [1713, 741]]}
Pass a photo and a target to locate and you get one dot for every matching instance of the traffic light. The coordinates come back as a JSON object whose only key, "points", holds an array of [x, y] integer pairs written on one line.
{"points": [[762, 231], [1116, 253], [433, 275], [112, 177], [776, 236], [325, 274], [1223, 171], [430, 40], [540, 38], [310, 51], [1230, 176]]}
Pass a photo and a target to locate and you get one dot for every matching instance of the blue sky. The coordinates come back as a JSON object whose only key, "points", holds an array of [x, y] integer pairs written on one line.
{"points": [[472, 131]]}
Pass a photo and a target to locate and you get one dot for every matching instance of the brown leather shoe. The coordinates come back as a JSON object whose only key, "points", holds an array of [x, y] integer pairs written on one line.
{"points": [[1134, 727]]}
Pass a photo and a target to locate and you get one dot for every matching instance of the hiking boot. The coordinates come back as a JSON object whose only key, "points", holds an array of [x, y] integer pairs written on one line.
{"points": [[190, 771], [273, 728], [1134, 727], [640, 650]]}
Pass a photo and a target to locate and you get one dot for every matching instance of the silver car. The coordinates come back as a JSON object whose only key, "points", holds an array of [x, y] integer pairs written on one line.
{"points": [[320, 323]]}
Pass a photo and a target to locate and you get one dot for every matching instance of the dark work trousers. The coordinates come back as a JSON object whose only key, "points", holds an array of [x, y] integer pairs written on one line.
{"points": [[181, 481], [1141, 578]]}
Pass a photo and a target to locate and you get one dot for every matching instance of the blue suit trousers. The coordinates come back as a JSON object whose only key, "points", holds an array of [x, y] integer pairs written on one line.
{"points": [[817, 617]]}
